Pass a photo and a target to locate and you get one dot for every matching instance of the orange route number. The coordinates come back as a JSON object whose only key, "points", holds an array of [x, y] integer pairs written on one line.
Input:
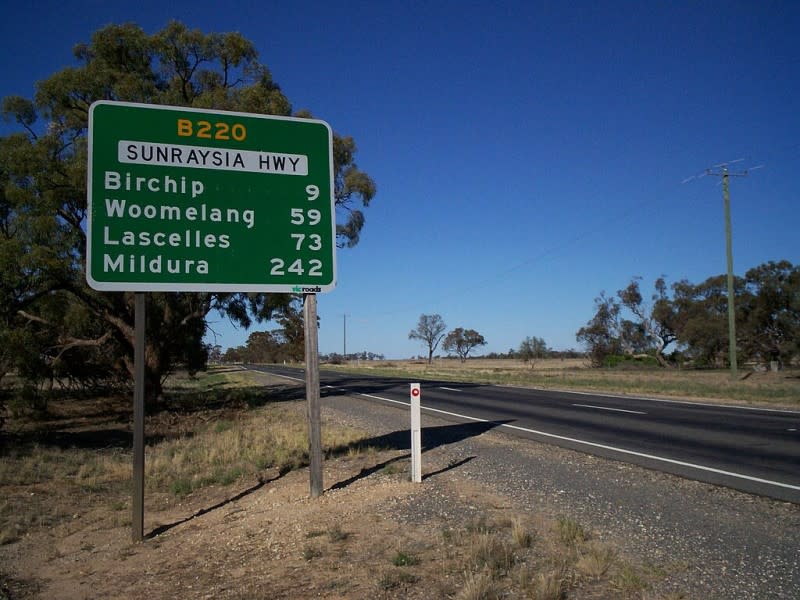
{"points": [[212, 131]]}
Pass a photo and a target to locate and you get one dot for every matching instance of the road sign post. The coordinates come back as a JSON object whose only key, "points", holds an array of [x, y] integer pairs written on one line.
{"points": [[187, 200], [137, 503], [416, 434], [312, 394]]}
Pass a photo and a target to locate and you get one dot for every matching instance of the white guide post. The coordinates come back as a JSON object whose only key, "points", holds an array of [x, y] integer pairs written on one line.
{"points": [[416, 435]]}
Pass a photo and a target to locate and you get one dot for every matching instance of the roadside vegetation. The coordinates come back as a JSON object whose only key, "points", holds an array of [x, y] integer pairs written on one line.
{"points": [[68, 467], [222, 429], [686, 324]]}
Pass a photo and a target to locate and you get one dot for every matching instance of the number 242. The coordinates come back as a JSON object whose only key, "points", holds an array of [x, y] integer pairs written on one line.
{"points": [[279, 267]]}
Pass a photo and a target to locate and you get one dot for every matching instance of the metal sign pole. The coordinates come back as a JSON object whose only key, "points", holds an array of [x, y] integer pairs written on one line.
{"points": [[312, 393], [138, 419]]}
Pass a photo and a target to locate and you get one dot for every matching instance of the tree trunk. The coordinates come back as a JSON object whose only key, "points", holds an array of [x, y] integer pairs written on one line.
{"points": [[660, 357]]}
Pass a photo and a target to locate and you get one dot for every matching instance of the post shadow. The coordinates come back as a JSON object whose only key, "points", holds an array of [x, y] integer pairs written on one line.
{"points": [[432, 437], [243, 494], [453, 465]]}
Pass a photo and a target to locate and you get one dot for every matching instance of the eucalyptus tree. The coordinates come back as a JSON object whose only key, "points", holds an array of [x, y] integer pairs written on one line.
{"points": [[655, 324], [462, 341], [602, 333], [430, 331], [532, 348], [770, 312], [43, 197]]}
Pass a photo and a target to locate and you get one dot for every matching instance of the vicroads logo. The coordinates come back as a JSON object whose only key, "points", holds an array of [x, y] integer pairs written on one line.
{"points": [[306, 290]]}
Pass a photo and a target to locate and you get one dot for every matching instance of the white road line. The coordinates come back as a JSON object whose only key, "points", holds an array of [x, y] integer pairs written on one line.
{"points": [[449, 389], [327, 387], [671, 461], [283, 376], [633, 412]]}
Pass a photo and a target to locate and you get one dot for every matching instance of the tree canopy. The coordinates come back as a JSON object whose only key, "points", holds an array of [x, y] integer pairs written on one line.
{"points": [[532, 348], [694, 317], [462, 341], [48, 312]]}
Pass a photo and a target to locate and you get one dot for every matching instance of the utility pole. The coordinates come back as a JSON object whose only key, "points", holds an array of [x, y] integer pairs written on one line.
{"points": [[725, 174]]}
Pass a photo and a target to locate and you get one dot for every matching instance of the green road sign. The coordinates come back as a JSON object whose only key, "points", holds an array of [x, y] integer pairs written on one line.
{"points": [[182, 199]]}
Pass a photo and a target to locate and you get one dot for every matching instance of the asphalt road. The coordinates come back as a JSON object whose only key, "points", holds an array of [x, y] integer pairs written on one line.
{"points": [[751, 450]]}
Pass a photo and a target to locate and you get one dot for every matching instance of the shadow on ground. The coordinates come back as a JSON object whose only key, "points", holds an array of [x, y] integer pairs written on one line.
{"points": [[432, 437], [243, 494]]}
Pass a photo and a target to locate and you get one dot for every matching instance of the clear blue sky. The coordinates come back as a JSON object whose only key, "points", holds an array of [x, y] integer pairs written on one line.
{"points": [[527, 154]]}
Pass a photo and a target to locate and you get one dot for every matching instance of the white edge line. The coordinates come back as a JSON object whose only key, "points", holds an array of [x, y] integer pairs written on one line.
{"points": [[603, 446], [449, 389]]}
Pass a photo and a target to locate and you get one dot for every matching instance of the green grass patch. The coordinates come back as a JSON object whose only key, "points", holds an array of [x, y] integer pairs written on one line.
{"points": [[403, 559]]}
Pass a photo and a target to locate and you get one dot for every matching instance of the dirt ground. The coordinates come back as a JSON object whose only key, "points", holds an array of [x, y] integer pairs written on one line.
{"points": [[260, 541], [361, 539], [373, 534]]}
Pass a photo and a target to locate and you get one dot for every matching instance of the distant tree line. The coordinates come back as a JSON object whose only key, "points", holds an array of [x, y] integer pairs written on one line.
{"points": [[286, 343], [334, 358], [283, 344], [517, 354], [687, 323]]}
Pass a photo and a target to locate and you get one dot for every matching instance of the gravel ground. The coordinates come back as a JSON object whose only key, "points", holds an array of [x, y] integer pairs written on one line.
{"points": [[710, 542]]}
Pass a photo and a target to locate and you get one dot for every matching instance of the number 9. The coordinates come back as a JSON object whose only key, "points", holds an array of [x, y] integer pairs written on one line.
{"points": [[313, 192]]}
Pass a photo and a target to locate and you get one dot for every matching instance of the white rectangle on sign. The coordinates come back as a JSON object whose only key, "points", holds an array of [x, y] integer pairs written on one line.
{"points": [[220, 159]]}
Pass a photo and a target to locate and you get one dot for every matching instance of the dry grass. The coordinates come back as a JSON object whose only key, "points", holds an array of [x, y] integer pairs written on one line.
{"points": [[479, 586], [522, 536], [595, 560], [223, 452], [570, 532], [551, 585], [502, 558], [210, 448], [488, 551]]}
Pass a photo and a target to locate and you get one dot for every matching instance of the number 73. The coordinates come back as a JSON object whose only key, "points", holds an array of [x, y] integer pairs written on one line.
{"points": [[315, 241]]}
